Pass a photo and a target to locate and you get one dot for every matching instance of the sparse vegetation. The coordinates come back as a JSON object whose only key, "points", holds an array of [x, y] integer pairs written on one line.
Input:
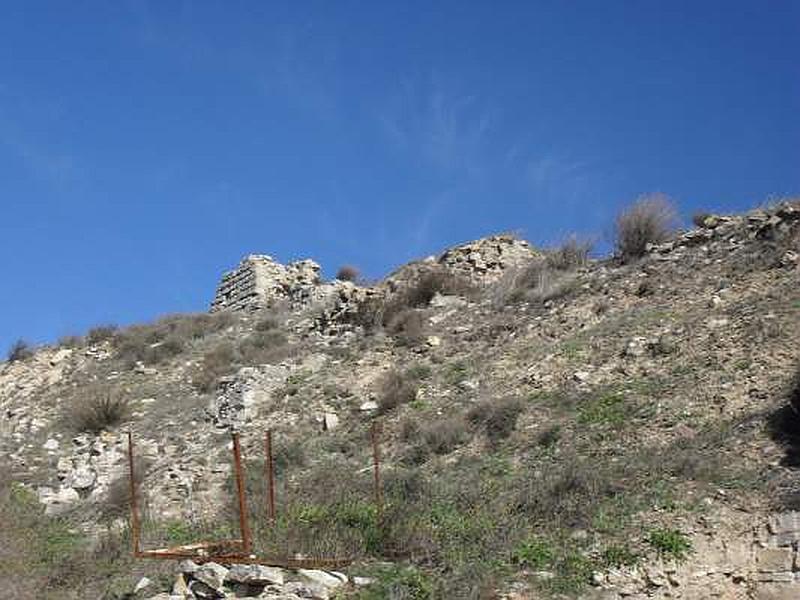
{"points": [[100, 333], [573, 253], [396, 388], [699, 218], [536, 283], [215, 363], [497, 418], [100, 409], [20, 350], [670, 543], [437, 437], [650, 220], [407, 326]]}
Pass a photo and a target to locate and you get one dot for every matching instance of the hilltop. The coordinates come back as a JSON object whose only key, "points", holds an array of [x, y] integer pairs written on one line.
{"points": [[552, 425]]}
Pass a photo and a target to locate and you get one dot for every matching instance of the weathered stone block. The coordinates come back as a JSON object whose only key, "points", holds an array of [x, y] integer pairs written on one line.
{"points": [[777, 591], [774, 560]]}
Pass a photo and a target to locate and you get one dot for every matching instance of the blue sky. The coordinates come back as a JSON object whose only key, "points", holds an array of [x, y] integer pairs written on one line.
{"points": [[145, 147]]}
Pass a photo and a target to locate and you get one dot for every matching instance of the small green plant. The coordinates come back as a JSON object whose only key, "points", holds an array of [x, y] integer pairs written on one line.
{"points": [[608, 409], [419, 371], [670, 543], [456, 372], [619, 556], [535, 553], [399, 582]]}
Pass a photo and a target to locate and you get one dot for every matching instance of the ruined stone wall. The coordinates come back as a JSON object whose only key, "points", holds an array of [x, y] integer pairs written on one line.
{"points": [[260, 281]]}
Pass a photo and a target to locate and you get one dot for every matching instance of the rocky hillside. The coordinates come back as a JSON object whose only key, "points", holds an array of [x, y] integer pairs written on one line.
{"points": [[551, 426]]}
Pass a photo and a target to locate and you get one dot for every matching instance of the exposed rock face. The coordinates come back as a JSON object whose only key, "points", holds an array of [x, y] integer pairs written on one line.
{"points": [[776, 223], [486, 259], [260, 281]]}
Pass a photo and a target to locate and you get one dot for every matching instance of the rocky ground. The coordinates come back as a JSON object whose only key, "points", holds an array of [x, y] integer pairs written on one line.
{"points": [[549, 428]]}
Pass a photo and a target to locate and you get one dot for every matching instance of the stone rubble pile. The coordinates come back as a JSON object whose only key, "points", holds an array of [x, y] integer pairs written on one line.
{"points": [[730, 232], [213, 581], [486, 259]]}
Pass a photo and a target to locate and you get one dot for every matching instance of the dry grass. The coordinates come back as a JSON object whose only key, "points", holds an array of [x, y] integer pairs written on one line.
{"points": [[408, 326], [348, 273], [438, 437], [167, 337], [396, 388], [216, 363], [20, 350], [535, 283], [497, 418], [99, 410], [650, 220], [572, 254], [100, 333], [264, 347]]}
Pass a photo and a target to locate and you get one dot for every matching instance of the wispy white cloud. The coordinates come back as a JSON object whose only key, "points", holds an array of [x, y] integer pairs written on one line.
{"points": [[43, 159], [448, 130]]}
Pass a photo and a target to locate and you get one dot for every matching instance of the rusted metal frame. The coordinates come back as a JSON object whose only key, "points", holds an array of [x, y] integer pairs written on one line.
{"points": [[244, 526], [195, 551], [376, 470], [135, 525], [270, 476], [188, 550]]}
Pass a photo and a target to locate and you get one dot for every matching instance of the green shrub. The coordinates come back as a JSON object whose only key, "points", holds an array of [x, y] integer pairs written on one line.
{"points": [[20, 350], [619, 556], [534, 553], [670, 543], [398, 582], [608, 409], [650, 220]]}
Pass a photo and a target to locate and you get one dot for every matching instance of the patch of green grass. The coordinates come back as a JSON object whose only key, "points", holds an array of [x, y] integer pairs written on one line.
{"points": [[670, 543], [400, 582], [573, 571], [619, 556], [534, 553], [607, 409], [456, 372], [419, 371], [573, 349]]}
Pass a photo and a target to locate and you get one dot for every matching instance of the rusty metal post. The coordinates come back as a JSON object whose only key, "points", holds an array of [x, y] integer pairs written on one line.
{"points": [[135, 532], [243, 524], [376, 468], [270, 476]]}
